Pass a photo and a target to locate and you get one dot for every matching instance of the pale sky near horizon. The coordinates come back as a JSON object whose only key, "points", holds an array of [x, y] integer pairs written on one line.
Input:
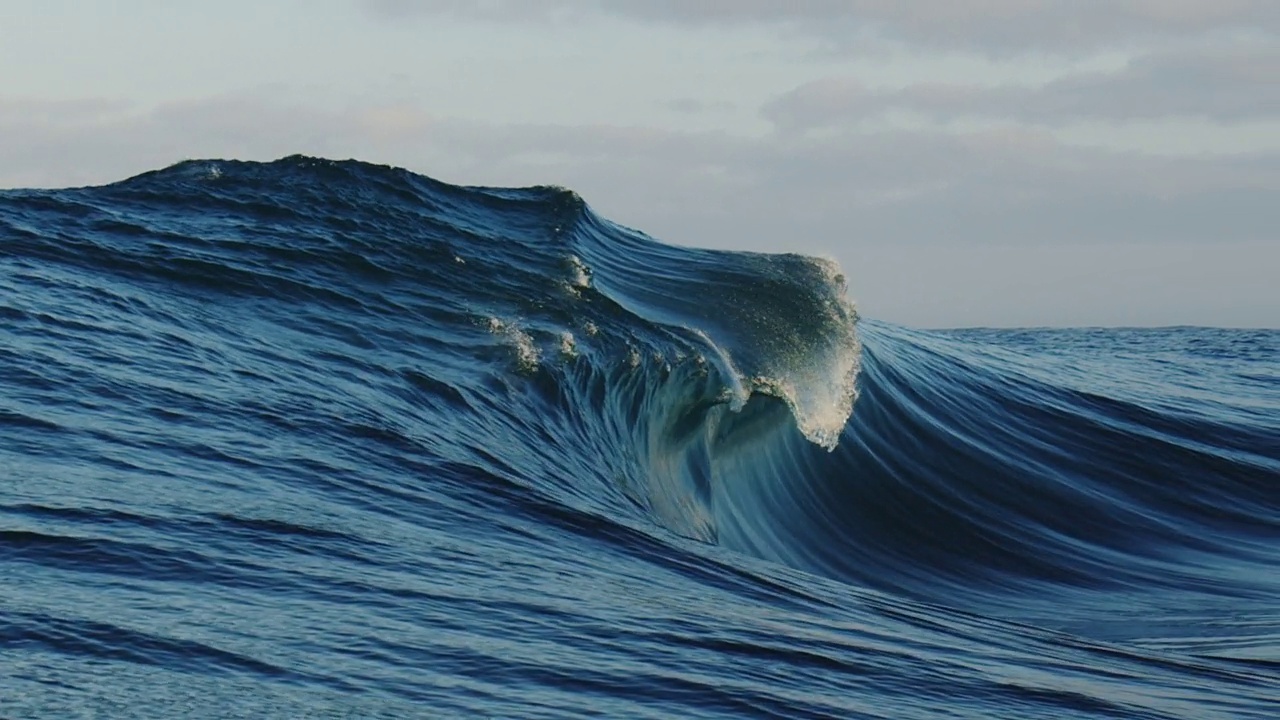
{"points": [[982, 162]]}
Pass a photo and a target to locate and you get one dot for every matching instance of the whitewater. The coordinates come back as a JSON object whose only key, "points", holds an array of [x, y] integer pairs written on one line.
{"points": [[313, 438]]}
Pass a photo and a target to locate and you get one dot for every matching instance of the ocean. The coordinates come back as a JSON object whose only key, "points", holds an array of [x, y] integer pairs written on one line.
{"points": [[335, 440]]}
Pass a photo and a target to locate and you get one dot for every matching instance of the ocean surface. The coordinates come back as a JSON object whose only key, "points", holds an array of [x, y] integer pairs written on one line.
{"points": [[335, 440]]}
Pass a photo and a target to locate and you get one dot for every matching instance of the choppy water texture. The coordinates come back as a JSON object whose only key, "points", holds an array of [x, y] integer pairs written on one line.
{"points": [[328, 439]]}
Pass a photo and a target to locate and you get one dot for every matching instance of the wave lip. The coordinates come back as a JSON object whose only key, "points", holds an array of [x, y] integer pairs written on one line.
{"points": [[779, 325]]}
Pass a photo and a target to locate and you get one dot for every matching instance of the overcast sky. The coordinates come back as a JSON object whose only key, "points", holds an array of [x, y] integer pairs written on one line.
{"points": [[968, 162]]}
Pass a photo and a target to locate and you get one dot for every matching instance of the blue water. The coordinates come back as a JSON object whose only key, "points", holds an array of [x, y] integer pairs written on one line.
{"points": [[329, 439]]}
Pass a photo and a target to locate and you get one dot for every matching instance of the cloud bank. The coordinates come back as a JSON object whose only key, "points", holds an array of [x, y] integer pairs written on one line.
{"points": [[988, 26], [1098, 193]]}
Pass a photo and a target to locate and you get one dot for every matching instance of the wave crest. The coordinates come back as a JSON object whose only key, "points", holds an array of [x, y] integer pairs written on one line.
{"points": [[779, 325]]}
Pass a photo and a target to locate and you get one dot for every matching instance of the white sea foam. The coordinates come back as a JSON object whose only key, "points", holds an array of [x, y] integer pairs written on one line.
{"points": [[580, 273], [816, 376], [579, 276], [568, 346], [527, 354], [820, 383]]}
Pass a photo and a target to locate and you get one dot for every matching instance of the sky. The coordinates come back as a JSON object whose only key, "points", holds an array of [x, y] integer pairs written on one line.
{"points": [[968, 162]]}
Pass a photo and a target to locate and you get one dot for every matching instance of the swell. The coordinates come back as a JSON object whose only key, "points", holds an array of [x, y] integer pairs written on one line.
{"points": [[706, 393], [983, 485], [968, 475]]}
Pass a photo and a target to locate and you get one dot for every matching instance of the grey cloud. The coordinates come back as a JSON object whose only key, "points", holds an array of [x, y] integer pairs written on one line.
{"points": [[900, 186], [488, 10], [693, 106], [996, 26], [101, 141], [1226, 86], [873, 198], [26, 111], [1006, 186]]}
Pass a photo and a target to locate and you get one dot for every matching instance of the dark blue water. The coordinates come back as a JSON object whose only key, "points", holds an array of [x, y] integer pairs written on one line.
{"points": [[318, 439]]}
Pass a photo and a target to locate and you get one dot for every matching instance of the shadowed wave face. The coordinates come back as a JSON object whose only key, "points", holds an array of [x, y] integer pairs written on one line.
{"points": [[315, 438]]}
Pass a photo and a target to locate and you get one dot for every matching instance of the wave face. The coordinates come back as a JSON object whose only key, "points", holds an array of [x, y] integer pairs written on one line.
{"points": [[329, 439]]}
